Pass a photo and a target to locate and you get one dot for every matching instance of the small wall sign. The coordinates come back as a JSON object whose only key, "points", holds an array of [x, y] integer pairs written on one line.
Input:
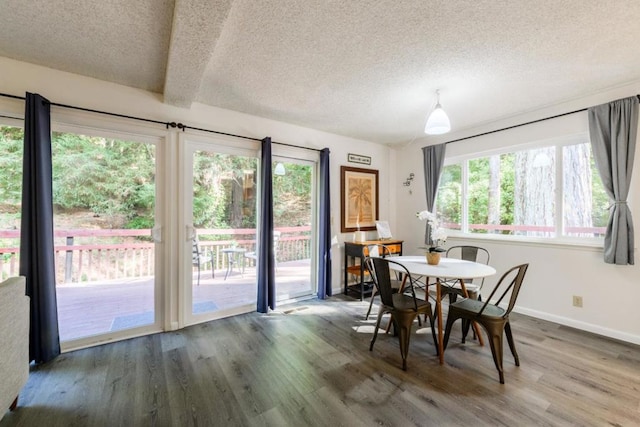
{"points": [[358, 158]]}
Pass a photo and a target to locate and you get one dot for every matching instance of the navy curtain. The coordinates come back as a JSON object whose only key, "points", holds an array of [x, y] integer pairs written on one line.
{"points": [[37, 261], [433, 157], [266, 259], [324, 226]]}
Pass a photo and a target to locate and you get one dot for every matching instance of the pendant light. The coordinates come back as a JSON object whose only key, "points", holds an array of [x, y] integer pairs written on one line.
{"points": [[438, 121], [279, 170]]}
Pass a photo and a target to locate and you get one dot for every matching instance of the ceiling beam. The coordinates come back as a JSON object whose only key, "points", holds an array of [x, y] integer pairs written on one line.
{"points": [[197, 25]]}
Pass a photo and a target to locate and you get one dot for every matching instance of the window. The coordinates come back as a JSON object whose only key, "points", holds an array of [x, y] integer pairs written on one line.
{"points": [[11, 141], [545, 191], [449, 197], [586, 204]]}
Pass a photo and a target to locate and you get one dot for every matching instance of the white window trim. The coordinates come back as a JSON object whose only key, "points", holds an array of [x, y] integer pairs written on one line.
{"points": [[559, 239]]}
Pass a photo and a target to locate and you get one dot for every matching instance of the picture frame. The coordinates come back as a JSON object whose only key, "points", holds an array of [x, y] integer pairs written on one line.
{"points": [[384, 230], [358, 158], [358, 199]]}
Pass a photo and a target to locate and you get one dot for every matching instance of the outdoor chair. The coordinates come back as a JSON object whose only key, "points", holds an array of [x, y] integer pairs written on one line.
{"points": [[276, 239], [200, 259], [403, 308], [493, 318]]}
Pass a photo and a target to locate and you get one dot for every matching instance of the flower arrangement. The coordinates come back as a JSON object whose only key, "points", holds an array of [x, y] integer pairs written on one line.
{"points": [[438, 233]]}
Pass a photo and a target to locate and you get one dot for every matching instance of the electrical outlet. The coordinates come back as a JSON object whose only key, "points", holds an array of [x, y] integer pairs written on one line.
{"points": [[577, 301]]}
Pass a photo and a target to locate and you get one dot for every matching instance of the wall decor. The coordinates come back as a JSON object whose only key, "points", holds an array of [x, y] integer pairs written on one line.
{"points": [[358, 199], [359, 158], [384, 230]]}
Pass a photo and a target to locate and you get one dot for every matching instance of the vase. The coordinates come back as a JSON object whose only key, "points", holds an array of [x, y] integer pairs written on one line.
{"points": [[433, 258]]}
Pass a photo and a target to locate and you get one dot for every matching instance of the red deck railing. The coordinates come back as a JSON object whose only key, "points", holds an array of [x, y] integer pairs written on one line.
{"points": [[84, 255]]}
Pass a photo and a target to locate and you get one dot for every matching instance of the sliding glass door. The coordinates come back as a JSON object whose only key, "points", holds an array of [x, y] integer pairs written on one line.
{"points": [[104, 195], [219, 231], [220, 217], [293, 218]]}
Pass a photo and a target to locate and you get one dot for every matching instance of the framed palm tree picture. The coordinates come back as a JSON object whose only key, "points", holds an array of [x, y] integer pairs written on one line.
{"points": [[358, 199]]}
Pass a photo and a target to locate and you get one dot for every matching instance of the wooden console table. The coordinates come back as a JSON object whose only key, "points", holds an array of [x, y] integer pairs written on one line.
{"points": [[354, 255]]}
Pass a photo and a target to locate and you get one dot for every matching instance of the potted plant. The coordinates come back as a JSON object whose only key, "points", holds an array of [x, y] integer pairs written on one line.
{"points": [[438, 236]]}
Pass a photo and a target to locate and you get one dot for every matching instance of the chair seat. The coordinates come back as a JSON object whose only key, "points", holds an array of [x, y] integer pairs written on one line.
{"points": [[404, 309], [456, 286], [403, 302], [472, 306], [493, 317], [396, 285]]}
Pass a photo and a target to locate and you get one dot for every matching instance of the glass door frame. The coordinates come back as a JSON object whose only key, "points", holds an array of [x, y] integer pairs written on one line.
{"points": [[73, 122], [306, 158], [189, 143]]}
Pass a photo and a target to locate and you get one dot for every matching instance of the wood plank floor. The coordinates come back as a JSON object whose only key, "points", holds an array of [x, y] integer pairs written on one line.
{"points": [[309, 364]]}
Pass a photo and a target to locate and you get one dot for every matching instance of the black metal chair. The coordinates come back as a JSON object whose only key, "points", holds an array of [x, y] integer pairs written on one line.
{"points": [[453, 288], [403, 308], [493, 318], [467, 253], [380, 250]]}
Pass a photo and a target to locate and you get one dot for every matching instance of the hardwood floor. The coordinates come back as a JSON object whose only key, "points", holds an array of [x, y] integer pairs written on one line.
{"points": [[310, 364]]}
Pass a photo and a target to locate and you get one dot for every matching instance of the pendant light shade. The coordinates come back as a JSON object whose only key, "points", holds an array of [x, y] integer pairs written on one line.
{"points": [[279, 170], [438, 121]]}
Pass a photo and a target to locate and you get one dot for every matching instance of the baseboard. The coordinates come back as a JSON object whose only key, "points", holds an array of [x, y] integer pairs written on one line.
{"points": [[584, 326]]}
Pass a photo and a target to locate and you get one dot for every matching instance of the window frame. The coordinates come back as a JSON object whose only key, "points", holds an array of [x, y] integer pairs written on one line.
{"points": [[559, 143]]}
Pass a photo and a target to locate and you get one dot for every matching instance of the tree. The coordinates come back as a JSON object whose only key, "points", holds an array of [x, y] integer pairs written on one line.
{"points": [[494, 217], [534, 194], [360, 196], [578, 185]]}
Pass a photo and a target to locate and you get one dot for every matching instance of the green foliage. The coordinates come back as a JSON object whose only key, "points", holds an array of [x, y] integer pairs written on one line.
{"points": [[292, 196], [507, 187], [11, 165], [106, 176], [449, 198], [478, 191], [139, 222], [111, 177]]}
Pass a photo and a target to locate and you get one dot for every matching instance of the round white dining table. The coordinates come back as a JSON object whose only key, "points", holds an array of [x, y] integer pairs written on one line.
{"points": [[447, 268]]}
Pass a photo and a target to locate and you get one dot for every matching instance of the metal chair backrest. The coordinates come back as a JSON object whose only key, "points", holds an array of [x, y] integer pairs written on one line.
{"points": [[380, 273], [470, 253], [195, 251], [377, 250], [511, 281], [276, 239]]}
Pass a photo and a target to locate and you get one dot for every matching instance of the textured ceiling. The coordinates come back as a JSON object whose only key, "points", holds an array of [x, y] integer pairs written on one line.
{"points": [[358, 68]]}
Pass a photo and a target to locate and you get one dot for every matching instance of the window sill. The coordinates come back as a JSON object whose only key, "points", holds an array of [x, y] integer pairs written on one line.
{"points": [[588, 245]]}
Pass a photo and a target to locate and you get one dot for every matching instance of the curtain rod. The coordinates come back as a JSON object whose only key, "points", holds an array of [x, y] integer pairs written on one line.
{"points": [[521, 124], [72, 107], [183, 127], [515, 126], [167, 124]]}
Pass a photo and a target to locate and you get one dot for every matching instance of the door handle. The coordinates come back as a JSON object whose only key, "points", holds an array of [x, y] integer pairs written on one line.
{"points": [[156, 233]]}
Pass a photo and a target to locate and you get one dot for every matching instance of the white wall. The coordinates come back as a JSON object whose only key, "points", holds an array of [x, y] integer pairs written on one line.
{"points": [[556, 272], [16, 78]]}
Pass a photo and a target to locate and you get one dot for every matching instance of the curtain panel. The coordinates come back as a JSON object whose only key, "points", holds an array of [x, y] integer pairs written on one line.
{"points": [[37, 261], [266, 258], [433, 158], [613, 130], [324, 228]]}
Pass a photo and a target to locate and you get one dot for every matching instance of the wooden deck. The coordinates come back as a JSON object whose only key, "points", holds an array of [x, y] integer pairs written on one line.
{"points": [[87, 309]]}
